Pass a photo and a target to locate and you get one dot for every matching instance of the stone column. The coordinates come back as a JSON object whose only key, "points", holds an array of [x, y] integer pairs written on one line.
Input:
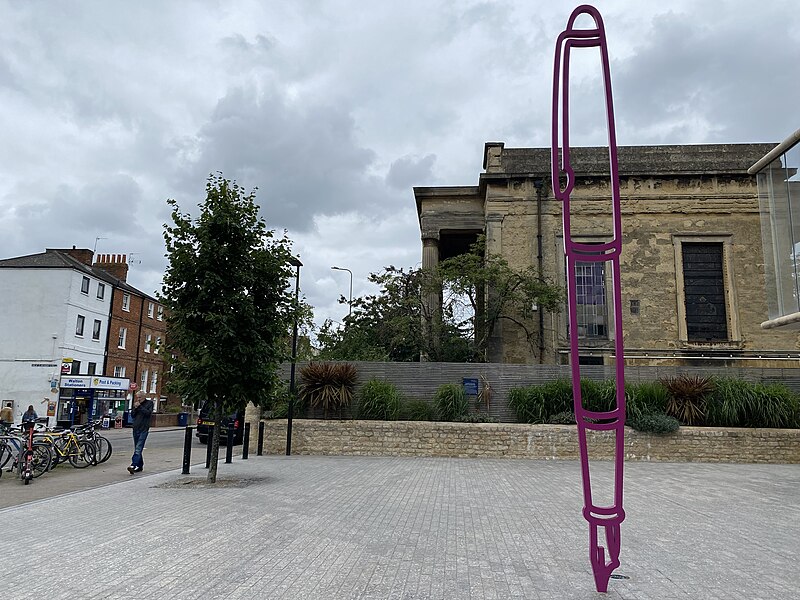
{"points": [[494, 245], [432, 299]]}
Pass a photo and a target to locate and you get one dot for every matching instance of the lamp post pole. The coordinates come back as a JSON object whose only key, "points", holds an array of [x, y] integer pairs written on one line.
{"points": [[295, 263], [351, 286]]}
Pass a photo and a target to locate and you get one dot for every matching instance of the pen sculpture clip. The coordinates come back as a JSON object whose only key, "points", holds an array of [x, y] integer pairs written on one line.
{"points": [[606, 517]]}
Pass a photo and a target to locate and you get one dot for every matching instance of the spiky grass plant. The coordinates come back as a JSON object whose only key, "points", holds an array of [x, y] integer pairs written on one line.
{"points": [[328, 386], [528, 404], [451, 402], [687, 397], [379, 400], [644, 398], [417, 410]]}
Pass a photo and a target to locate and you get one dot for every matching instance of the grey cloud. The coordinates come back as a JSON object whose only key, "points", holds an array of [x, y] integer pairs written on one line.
{"points": [[409, 171], [304, 160]]}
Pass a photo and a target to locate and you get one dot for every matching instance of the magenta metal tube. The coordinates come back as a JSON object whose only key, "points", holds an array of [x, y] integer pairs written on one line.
{"points": [[607, 518]]}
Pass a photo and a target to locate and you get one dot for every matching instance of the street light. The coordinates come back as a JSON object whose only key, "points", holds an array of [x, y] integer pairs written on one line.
{"points": [[295, 263], [351, 285]]}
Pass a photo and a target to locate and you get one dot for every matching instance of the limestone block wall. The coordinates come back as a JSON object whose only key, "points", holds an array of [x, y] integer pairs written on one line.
{"points": [[544, 442]]}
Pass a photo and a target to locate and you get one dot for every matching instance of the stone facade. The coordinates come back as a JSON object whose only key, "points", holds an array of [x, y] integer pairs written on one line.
{"points": [[543, 442], [671, 196]]}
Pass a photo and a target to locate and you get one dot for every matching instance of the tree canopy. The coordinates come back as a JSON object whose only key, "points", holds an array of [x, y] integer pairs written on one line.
{"points": [[230, 304], [476, 289]]}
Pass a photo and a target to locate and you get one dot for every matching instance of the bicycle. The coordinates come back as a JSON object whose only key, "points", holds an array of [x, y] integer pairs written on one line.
{"points": [[67, 446], [102, 445], [30, 458]]}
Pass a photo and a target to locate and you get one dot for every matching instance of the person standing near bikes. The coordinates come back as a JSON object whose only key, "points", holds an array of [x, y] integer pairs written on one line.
{"points": [[142, 410], [29, 416], [7, 414]]}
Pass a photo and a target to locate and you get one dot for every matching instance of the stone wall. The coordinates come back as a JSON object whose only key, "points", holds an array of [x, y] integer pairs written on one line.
{"points": [[547, 442]]}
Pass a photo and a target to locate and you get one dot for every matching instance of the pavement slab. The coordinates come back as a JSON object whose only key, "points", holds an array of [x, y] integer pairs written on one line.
{"points": [[306, 527]]}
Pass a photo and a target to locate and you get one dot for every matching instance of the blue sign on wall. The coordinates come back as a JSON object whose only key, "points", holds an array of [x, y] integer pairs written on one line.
{"points": [[470, 387]]}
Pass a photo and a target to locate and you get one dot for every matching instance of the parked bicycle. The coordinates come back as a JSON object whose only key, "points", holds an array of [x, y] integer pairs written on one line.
{"points": [[68, 446]]}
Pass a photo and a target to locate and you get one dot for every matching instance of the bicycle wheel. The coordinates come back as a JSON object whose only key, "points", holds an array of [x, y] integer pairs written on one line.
{"points": [[84, 456], [5, 454], [41, 459], [103, 447]]}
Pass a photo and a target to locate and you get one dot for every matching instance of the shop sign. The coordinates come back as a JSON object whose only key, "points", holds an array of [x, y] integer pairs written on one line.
{"points": [[75, 382], [470, 387], [110, 383]]}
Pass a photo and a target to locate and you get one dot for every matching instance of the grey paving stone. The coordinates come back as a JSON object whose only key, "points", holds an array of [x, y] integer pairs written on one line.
{"points": [[408, 528]]}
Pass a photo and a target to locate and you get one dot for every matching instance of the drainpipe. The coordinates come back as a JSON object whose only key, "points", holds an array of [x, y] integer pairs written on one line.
{"points": [[539, 185]]}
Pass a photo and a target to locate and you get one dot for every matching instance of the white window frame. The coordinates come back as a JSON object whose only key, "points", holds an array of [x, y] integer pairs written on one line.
{"points": [[148, 339], [97, 329], [79, 325], [158, 345], [160, 313], [85, 283], [151, 308], [154, 382], [119, 371], [126, 302], [101, 290], [123, 336], [143, 383]]}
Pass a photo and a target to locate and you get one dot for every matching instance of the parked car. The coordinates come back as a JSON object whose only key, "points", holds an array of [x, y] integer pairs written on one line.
{"points": [[204, 422]]}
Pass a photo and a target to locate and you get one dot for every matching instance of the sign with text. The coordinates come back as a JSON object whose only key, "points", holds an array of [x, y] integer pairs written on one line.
{"points": [[110, 383], [470, 387], [76, 382]]}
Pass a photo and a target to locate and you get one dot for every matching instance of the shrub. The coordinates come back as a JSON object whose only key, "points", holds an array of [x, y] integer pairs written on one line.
{"points": [[280, 408], [528, 404], [645, 398], [379, 400], [451, 402], [416, 410], [563, 418], [655, 423], [740, 403], [557, 397], [599, 396], [687, 397], [478, 418], [777, 406], [328, 386]]}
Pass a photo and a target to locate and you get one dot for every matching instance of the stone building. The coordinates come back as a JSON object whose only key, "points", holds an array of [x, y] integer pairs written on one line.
{"points": [[692, 267]]}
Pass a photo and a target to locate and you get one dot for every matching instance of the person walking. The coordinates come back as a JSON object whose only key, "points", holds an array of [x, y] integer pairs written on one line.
{"points": [[142, 410]]}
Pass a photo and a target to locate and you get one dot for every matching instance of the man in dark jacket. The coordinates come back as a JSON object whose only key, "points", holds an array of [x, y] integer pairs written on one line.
{"points": [[142, 409]]}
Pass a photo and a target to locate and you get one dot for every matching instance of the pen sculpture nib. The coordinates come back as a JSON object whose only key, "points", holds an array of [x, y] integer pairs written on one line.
{"points": [[597, 554]]}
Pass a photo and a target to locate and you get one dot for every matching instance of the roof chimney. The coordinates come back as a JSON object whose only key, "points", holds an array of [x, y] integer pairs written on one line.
{"points": [[82, 254], [114, 264]]}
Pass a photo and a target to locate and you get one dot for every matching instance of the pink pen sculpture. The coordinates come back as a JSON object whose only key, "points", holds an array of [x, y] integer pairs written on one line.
{"points": [[605, 518]]}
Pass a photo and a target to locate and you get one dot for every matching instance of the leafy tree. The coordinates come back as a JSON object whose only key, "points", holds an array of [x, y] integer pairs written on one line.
{"points": [[398, 323], [227, 288]]}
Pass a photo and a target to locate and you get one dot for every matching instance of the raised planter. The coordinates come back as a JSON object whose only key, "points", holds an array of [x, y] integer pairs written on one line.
{"points": [[511, 440]]}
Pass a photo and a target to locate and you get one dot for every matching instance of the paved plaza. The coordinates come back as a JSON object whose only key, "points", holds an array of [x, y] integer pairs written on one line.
{"points": [[307, 527]]}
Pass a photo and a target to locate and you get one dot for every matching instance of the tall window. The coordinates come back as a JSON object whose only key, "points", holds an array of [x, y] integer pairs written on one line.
{"points": [[76, 367], [96, 329], [160, 316], [91, 368], [148, 339], [158, 344], [85, 285], [101, 291], [79, 325], [119, 371], [154, 382], [143, 386], [704, 292], [126, 302], [590, 281], [151, 309], [123, 334]]}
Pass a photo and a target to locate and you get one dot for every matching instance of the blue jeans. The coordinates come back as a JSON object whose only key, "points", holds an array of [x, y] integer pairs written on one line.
{"points": [[138, 445]]}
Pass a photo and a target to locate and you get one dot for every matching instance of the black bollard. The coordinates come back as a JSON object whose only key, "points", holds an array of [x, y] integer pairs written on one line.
{"points": [[187, 450], [246, 442], [208, 446], [229, 449], [260, 438]]}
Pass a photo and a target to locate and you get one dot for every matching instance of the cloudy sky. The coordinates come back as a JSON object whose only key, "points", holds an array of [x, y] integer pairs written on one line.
{"points": [[335, 109]]}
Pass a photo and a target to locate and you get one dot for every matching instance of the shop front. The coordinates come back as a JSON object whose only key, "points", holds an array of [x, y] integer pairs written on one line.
{"points": [[83, 398]]}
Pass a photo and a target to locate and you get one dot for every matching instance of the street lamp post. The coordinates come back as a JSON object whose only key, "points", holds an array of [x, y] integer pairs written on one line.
{"points": [[351, 286], [295, 263]]}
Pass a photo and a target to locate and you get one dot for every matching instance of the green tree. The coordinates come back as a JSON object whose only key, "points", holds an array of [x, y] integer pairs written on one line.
{"points": [[230, 303]]}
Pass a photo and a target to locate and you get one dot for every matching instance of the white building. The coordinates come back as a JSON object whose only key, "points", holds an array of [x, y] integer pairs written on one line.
{"points": [[54, 318]]}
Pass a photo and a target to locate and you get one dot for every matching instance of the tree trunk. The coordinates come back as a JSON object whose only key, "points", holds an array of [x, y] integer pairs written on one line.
{"points": [[214, 441]]}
